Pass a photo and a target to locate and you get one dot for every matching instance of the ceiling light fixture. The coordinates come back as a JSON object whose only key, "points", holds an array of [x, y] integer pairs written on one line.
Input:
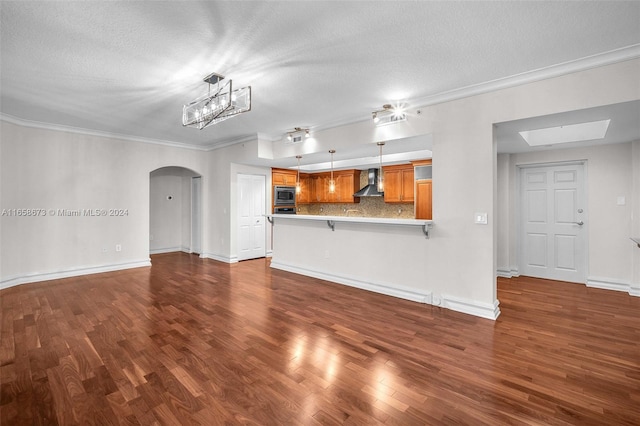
{"points": [[380, 177], [295, 135], [389, 114], [298, 187], [332, 183], [217, 104]]}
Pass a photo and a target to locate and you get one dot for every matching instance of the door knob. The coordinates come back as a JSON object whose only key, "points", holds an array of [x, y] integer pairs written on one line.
{"points": [[579, 223]]}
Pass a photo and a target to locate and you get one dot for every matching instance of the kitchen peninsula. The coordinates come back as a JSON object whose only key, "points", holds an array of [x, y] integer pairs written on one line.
{"points": [[356, 235], [384, 255]]}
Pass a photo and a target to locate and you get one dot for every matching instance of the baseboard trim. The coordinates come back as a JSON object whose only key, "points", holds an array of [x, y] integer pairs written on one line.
{"points": [[507, 273], [219, 258], [170, 250], [612, 284], [399, 292], [68, 273], [471, 307]]}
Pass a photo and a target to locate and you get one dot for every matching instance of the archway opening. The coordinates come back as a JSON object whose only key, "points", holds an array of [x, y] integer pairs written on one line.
{"points": [[175, 210]]}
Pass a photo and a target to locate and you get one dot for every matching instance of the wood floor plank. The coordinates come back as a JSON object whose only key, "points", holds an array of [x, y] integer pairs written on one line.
{"points": [[195, 341]]}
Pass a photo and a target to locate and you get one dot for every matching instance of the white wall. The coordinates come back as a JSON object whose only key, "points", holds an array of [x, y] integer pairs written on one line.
{"points": [[165, 213], [51, 170], [609, 175], [635, 220]]}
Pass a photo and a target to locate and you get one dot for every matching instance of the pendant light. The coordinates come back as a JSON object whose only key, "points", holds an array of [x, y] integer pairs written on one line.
{"points": [[380, 177], [298, 187], [332, 183]]}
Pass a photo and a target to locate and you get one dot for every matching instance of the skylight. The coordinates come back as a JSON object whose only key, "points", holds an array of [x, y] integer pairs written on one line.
{"points": [[564, 134]]}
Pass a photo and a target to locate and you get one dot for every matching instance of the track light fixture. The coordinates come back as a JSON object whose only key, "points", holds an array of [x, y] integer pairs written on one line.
{"points": [[295, 135], [218, 104], [389, 114]]}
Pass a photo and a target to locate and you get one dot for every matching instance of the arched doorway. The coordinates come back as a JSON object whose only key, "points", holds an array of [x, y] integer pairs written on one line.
{"points": [[175, 210]]}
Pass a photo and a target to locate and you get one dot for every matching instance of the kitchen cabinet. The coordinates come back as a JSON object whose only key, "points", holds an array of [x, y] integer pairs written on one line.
{"points": [[423, 203], [347, 183], [318, 188], [284, 177], [424, 188], [398, 183], [304, 196]]}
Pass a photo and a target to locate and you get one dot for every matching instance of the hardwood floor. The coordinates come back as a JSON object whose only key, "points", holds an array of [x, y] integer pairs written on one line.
{"points": [[192, 341]]}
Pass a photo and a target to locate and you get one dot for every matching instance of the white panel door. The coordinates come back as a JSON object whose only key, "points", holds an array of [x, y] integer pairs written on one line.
{"points": [[251, 221], [553, 236]]}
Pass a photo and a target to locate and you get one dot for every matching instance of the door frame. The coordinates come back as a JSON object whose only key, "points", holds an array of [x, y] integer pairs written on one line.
{"points": [[519, 224], [196, 215]]}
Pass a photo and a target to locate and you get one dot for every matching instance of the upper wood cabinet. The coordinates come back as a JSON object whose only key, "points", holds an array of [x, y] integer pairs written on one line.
{"points": [[304, 196], [424, 190], [317, 187], [398, 183], [424, 207], [284, 177]]}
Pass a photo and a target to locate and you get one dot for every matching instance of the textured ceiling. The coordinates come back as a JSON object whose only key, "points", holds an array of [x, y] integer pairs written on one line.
{"points": [[128, 67]]}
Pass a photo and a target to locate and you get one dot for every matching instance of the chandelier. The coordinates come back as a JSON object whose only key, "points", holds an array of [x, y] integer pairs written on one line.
{"points": [[219, 103]]}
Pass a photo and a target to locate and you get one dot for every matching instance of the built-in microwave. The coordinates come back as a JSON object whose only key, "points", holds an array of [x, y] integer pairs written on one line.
{"points": [[284, 195]]}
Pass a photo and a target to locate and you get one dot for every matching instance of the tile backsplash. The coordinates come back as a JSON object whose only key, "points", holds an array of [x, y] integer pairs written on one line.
{"points": [[367, 207]]}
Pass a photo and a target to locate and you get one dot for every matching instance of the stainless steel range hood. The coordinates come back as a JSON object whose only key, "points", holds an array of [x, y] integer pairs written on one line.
{"points": [[371, 190]]}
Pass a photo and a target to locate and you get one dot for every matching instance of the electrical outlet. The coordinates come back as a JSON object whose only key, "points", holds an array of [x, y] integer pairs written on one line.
{"points": [[118, 247]]}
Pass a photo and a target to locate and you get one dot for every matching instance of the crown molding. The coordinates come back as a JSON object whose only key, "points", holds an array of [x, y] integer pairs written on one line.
{"points": [[589, 62], [611, 57], [98, 133]]}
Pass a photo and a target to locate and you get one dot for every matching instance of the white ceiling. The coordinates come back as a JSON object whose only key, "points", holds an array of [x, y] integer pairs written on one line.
{"points": [[128, 67]]}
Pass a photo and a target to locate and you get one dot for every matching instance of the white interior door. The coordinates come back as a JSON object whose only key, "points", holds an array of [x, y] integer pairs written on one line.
{"points": [[553, 237], [251, 221], [196, 209]]}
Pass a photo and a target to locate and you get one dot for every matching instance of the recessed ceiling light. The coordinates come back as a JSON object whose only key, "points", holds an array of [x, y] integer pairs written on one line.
{"points": [[564, 134]]}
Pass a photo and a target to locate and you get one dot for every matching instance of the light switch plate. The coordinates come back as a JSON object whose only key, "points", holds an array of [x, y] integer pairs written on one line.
{"points": [[621, 200], [481, 218]]}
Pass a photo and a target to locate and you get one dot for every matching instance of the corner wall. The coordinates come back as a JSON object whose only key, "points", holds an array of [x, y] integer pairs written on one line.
{"points": [[91, 194]]}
